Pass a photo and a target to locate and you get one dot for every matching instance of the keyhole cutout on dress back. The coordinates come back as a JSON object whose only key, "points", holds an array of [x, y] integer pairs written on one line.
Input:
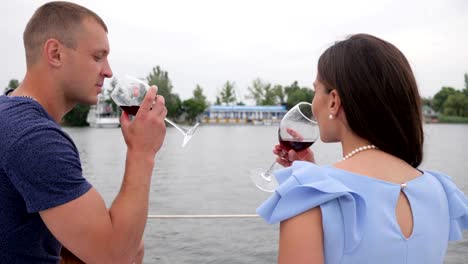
{"points": [[404, 214]]}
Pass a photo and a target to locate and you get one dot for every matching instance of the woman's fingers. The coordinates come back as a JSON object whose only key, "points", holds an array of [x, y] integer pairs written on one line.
{"points": [[294, 134]]}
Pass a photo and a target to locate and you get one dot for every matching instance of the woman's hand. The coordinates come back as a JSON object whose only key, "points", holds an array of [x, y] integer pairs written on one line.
{"points": [[286, 158]]}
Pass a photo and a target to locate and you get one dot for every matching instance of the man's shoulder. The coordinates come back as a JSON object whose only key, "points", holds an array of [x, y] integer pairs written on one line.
{"points": [[22, 114], [25, 122]]}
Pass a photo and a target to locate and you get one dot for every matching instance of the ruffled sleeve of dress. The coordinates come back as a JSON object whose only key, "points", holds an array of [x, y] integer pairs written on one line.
{"points": [[457, 204], [304, 186]]}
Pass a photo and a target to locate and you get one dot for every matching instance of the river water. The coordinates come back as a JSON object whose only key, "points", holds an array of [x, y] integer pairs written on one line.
{"points": [[210, 176]]}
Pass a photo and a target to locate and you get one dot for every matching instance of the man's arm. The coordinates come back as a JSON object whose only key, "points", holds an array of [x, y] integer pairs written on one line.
{"points": [[98, 235]]}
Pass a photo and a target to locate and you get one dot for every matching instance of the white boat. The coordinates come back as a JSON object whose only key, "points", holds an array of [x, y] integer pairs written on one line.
{"points": [[102, 115]]}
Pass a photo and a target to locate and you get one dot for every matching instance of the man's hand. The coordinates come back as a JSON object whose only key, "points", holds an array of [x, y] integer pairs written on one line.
{"points": [[145, 134], [140, 253]]}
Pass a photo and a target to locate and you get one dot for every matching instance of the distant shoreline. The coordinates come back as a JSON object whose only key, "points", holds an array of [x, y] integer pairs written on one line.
{"points": [[452, 120]]}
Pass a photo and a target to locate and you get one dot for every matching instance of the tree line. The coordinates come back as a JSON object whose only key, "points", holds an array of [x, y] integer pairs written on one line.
{"points": [[447, 101], [263, 93]]}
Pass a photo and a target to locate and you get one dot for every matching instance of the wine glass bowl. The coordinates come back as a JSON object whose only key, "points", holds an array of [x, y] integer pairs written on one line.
{"points": [[298, 130], [129, 93]]}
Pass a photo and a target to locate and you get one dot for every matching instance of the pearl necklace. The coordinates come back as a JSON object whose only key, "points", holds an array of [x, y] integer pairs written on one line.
{"points": [[357, 150]]}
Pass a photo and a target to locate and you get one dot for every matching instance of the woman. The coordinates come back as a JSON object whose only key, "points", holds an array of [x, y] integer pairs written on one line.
{"points": [[375, 205]]}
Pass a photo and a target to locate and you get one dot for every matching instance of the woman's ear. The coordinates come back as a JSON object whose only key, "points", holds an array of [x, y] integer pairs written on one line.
{"points": [[334, 102]]}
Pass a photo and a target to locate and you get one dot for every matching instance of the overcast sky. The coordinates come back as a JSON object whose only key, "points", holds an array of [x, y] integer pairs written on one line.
{"points": [[209, 42]]}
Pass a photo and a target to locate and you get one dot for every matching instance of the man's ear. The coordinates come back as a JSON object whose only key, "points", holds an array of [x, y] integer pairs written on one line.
{"points": [[52, 52], [334, 103]]}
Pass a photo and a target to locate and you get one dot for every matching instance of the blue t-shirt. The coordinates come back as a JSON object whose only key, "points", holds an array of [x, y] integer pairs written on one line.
{"points": [[39, 169], [358, 213]]}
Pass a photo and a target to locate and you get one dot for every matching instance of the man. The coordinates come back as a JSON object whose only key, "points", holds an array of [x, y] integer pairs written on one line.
{"points": [[44, 200]]}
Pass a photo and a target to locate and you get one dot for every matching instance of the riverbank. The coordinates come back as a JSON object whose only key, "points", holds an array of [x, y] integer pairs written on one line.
{"points": [[452, 119]]}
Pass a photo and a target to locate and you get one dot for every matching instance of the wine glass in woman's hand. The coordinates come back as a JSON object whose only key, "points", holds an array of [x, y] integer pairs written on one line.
{"points": [[297, 132], [287, 155]]}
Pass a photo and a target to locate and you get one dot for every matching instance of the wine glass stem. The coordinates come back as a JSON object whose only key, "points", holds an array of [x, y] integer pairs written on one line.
{"points": [[268, 172], [175, 125]]}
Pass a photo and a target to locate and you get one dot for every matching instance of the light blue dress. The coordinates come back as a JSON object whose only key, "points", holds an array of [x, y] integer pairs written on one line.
{"points": [[358, 213]]}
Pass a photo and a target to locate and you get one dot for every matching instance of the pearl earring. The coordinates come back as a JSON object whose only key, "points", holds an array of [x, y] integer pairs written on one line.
{"points": [[330, 116]]}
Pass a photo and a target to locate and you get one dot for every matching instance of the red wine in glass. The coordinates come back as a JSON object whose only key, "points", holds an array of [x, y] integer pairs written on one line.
{"points": [[130, 109], [298, 144]]}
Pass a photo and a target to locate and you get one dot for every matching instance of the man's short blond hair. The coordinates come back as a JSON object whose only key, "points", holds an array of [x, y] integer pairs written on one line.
{"points": [[58, 20]]}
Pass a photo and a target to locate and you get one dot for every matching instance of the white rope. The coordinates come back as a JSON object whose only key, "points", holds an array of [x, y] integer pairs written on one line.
{"points": [[204, 216]]}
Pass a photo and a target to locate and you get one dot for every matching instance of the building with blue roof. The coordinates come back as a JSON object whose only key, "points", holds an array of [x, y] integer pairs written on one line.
{"points": [[244, 114]]}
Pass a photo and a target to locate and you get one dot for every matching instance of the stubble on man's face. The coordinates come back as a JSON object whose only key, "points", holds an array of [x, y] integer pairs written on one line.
{"points": [[88, 65]]}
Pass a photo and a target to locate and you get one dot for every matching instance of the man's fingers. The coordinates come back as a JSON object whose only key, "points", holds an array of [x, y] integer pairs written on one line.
{"points": [[163, 112], [124, 119], [160, 105], [150, 96]]}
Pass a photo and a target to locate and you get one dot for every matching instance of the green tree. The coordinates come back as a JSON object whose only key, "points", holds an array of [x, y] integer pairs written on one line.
{"points": [[195, 105], [294, 86], [440, 97], [296, 94], [465, 90], [280, 94], [193, 108], [456, 105], [262, 93], [198, 94], [228, 93], [12, 84], [270, 96], [77, 116], [257, 91], [161, 79], [426, 101]]}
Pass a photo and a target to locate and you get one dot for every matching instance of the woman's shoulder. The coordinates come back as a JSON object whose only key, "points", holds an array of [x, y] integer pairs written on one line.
{"points": [[307, 173], [457, 204], [303, 186]]}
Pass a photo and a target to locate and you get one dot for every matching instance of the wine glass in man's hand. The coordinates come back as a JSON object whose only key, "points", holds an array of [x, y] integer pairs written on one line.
{"points": [[128, 94]]}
